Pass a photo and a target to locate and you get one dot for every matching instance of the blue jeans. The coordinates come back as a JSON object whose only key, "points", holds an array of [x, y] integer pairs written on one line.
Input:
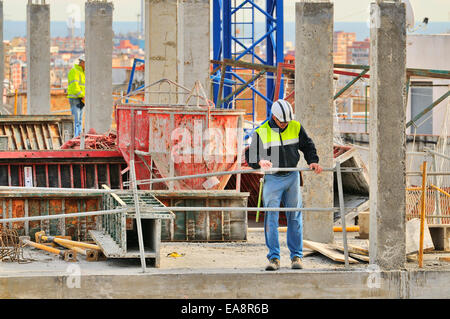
{"points": [[286, 190], [76, 107]]}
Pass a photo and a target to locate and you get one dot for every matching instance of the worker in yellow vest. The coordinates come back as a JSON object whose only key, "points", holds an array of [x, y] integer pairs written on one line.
{"points": [[276, 144], [76, 93]]}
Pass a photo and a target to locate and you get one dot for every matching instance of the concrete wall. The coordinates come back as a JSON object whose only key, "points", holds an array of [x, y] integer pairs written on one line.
{"points": [[430, 52], [38, 58], [314, 109], [229, 284], [99, 46]]}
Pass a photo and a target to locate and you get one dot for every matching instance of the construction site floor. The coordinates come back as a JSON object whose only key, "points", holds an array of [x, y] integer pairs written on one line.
{"points": [[226, 265]]}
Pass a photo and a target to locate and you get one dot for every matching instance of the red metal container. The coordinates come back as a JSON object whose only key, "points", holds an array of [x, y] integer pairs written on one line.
{"points": [[180, 141]]}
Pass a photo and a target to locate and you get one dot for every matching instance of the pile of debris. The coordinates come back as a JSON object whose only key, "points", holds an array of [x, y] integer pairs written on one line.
{"points": [[93, 141]]}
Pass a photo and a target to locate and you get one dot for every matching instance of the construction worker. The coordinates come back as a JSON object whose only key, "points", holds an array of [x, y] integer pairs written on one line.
{"points": [[76, 92], [276, 144]]}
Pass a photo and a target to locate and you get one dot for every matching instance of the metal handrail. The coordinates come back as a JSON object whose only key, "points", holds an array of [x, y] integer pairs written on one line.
{"points": [[242, 171], [341, 208]]}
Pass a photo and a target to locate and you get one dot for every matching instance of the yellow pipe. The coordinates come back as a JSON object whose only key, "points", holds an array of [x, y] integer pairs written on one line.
{"points": [[348, 228], [422, 212], [89, 253], [410, 189], [63, 242], [440, 190], [15, 103], [68, 255]]}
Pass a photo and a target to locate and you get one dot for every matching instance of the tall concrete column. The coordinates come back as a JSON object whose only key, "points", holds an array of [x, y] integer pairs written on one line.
{"points": [[38, 58], [2, 57], [177, 43], [194, 42], [161, 56], [314, 109], [387, 134], [99, 47]]}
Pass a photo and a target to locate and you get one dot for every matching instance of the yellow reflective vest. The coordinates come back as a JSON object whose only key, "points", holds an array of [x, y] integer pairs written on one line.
{"points": [[271, 138], [76, 80]]}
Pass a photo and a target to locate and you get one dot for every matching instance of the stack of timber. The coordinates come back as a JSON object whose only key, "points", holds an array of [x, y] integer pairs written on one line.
{"points": [[335, 252]]}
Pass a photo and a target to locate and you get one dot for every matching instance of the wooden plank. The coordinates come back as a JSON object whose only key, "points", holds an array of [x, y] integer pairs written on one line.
{"points": [[326, 251], [11, 141], [351, 249], [25, 138], [39, 138], [13, 138], [32, 137], [55, 135], [18, 136], [46, 136], [359, 257]]}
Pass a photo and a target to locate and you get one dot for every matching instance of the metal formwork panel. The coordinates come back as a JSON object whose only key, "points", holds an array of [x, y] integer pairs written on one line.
{"points": [[15, 204], [205, 226]]}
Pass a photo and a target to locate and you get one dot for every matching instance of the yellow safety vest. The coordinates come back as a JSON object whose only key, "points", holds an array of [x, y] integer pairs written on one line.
{"points": [[76, 80], [270, 137]]}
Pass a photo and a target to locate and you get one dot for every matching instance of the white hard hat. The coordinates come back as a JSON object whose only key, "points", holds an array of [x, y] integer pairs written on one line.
{"points": [[82, 58], [282, 110]]}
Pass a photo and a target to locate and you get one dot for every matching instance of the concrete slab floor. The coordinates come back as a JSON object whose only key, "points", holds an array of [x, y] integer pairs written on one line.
{"points": [[218, 270], [201, 257]]}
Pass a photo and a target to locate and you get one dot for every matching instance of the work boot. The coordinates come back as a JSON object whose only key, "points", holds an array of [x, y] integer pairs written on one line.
{"points": [[296, 263], [274, 264]]}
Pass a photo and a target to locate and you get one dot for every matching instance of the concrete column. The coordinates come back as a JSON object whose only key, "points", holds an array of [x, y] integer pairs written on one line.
{"points": [[177, 43], [38, 58], [161, 59], [314, 109], [99, 46], [387, 134], [194, 42], [2, 57]]}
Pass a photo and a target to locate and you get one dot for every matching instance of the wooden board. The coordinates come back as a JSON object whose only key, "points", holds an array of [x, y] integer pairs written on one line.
{"points": [[359, 257], [326, 251], [351, 249], [307, 252]]}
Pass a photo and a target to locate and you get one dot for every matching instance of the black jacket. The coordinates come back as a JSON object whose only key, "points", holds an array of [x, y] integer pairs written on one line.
{"points": [[288, 154]]}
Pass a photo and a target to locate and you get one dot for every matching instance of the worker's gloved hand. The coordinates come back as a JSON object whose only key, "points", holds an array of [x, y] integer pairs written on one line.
{"points": [[265, 164], [82, 101], [316, 167]]}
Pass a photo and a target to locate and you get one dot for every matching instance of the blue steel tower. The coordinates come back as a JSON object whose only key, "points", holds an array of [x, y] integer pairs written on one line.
{"points": [[230, 42]]}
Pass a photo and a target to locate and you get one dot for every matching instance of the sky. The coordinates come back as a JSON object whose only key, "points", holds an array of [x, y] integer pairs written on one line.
{"points": [[127, 10]]}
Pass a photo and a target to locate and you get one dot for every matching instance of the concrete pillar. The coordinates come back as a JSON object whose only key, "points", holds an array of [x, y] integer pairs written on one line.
{"points": [[38, 58], [314, 109], [99, 46], [387, 134], [194, 42], [177, 43], [2, 57]]}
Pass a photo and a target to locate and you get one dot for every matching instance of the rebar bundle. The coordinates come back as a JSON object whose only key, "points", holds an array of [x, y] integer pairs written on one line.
{"points": [[11, 249]]}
